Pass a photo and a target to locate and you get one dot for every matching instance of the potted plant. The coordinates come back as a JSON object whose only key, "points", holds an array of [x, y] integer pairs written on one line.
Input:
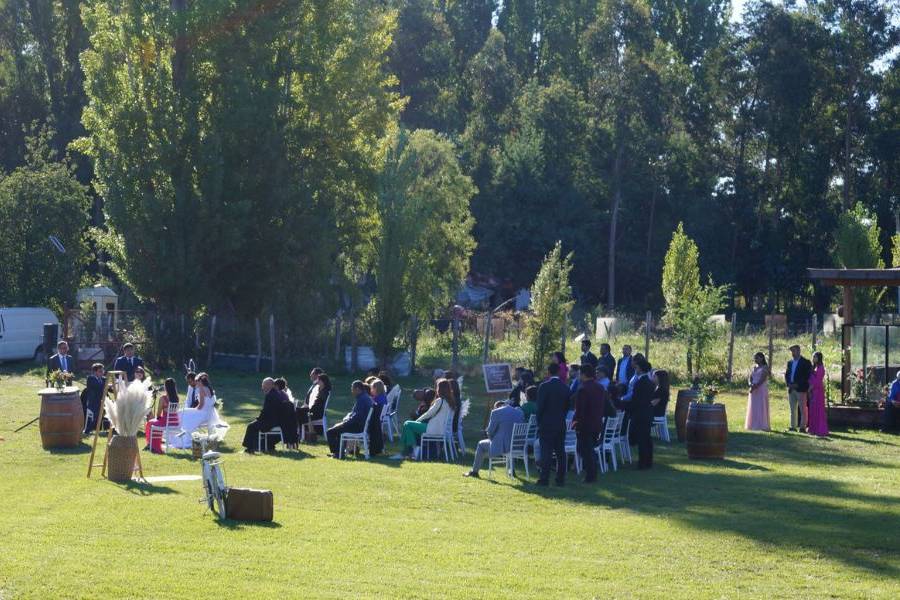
{"points": [[126, 413]]}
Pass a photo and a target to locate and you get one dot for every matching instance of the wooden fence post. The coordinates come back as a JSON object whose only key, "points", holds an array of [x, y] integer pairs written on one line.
{"points": [[212, 339], [258, 344], [731, 347], [272, 338], [815, 330], [455, 344], [647, 335], [771, 343], [337, 336]]}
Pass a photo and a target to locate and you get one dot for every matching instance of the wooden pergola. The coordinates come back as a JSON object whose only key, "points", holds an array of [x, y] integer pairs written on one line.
{"points": [[852, 278]]}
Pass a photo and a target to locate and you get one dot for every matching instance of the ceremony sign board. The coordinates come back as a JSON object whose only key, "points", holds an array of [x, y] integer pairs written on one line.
{"points": [[497, 378]]}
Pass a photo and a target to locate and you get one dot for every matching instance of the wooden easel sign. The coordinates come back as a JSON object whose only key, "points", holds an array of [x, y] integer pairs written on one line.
{"points": [[111, 385], [497, 378]]}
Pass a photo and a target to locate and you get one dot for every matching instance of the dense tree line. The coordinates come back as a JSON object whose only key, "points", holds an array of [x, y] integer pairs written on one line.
{"points": [[236, 146]]}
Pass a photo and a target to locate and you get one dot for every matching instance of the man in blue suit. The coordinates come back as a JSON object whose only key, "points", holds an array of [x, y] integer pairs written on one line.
{"points": [[552, 406], [128, 362], [499, 434]]}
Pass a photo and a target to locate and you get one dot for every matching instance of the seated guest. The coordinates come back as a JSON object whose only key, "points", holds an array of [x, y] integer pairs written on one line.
{"points": [[516, 395], [287, 418], [385, 378], [499, 434], [453, 378], [190, 400], [268, 416], [529, 407], [354, 421], [892, 407], [314, 407], [168, 406], [128, 362], [424, 401], [140, 374], [661, 393], [61, 361], [313, 385], [433, 421], [92, 396], [379, 403]]}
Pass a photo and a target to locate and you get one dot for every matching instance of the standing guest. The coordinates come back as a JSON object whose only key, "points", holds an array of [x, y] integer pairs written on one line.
{"points": [[661, 377], [588, 357], [433, 421], [796, 376], [499, 435], [552, 406], [168, 405], [61, 361], [574, 379], [268, 416], [190, 400], [607, 361], [287, 415], [93, 396], [529, 407], [590, 405], [624, 367], [354, 421], [891, 407], [758, 399], [641, 411], [560, 359], [313, 409], [378, 392], [128, 362], [603, 377], [818, 413]]}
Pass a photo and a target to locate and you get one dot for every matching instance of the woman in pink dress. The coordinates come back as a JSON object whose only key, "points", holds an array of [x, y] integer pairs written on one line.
{"points": [[560, 359], [168, 411], [758, 399], [818, 414]]}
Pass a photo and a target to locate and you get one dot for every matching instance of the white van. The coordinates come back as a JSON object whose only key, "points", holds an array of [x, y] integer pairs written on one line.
{"points": [[22, 332]]}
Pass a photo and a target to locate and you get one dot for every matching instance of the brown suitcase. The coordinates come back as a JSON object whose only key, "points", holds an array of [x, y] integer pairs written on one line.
{"points": [[245, 504]]}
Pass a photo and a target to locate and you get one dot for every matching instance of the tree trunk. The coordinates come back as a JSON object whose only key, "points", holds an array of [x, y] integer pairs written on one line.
{"points": [[413, 342], [613, 223], [650, 230]]}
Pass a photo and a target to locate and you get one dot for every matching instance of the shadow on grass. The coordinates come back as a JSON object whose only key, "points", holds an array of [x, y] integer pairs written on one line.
{"points": [[232, 524], [143, 488], [81, 448], [846, 435], [806, 513]]}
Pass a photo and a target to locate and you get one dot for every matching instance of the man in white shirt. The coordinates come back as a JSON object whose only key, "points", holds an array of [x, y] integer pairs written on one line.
{"points": [[625, 367], [61, 361]]}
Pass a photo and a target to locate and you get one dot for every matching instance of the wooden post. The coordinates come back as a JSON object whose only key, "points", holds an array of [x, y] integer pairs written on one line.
{"points": [[272, 338], [488, 321], [455, 344], [212, 339], [771, 343], [731, 347], [848, 305], [258, 344], [413, 342], [815, 330], [647, 335]]}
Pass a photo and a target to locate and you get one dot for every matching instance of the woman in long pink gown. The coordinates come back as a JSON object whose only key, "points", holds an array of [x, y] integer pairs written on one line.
{"points": [[758, 399], [818, 414]]}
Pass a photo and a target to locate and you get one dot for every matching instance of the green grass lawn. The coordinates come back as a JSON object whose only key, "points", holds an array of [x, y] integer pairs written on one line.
{"points": [[786, 516]]}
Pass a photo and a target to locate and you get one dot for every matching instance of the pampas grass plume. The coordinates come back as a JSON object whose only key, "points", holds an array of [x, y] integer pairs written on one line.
{"points": [[128, 411]]}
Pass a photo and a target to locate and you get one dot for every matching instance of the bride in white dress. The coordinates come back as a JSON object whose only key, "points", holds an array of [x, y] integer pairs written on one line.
{"points": [[204, 415]]}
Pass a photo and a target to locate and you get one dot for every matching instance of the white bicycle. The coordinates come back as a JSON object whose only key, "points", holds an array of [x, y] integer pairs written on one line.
{"points": [[214, 483]]}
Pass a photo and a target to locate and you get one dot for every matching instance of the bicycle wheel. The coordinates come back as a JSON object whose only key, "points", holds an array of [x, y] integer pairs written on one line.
{"points": [[208, 484], [218, 480]]}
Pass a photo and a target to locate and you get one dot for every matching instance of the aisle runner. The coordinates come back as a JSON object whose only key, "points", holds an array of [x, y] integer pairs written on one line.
{"points": [[168, 478]]}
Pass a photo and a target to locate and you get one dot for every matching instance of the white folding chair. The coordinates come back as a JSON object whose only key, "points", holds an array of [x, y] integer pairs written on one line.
{"points": [[265, 435], [518, 449], [531, 436], [608, 443], [459, 441], [172, 425], [571, 446], [323, 422], [353, 439], [622, 438], [445, 441], [389, 422], [661, 428]]}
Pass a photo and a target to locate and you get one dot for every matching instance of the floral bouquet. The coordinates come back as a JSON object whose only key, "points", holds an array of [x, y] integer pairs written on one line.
{"points": [[710, 392], [59, 379]]}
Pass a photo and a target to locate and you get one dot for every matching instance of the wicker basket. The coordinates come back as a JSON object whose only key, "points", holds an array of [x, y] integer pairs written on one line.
{"points": [[121, 458], [197, 447]]}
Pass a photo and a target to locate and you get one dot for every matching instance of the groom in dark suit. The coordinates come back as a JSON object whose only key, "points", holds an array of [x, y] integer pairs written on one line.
{"points": [[796, 376], [61, 361], [552, 406], [128, 362]]}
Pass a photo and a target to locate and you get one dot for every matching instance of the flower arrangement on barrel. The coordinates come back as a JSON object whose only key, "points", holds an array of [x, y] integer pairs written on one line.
{"points": [[59, 379], [710, 391], [126, 414]]}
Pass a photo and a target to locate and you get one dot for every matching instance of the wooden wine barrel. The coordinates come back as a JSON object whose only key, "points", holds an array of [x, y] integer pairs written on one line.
{"points": [[706, 430], [62, 418], [682, 402]]}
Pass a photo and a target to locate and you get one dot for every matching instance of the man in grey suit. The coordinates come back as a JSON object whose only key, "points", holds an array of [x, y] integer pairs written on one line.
{"points": [[499, 432]]}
